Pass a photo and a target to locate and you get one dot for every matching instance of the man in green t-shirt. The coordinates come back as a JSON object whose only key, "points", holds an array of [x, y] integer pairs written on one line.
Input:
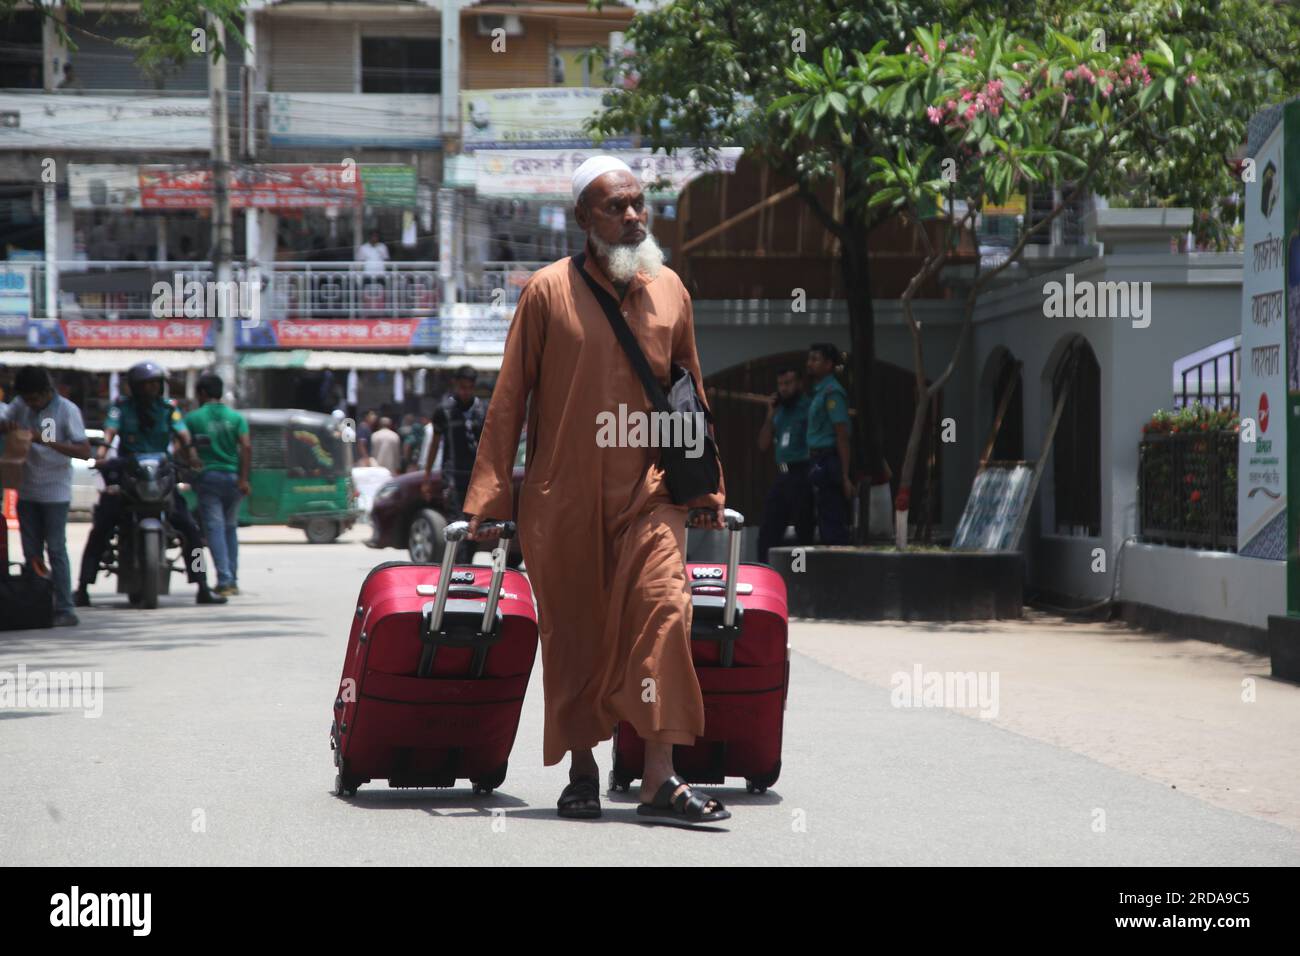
{"points": [[224, 479], [789, 500]]}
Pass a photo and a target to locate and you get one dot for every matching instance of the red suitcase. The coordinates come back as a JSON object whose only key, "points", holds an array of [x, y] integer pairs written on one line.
{"points": [[742, 660], [435, 675]]}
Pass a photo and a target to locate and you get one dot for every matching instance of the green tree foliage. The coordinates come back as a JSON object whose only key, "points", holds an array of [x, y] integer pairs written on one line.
{"points": [[846, 99], [167, 28]]}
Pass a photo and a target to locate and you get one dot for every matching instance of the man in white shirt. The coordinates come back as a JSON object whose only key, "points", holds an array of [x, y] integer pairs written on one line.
{"points": [[373, 254]]}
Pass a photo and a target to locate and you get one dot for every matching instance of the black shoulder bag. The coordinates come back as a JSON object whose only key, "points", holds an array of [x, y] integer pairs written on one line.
{"points": [[687, 478]]}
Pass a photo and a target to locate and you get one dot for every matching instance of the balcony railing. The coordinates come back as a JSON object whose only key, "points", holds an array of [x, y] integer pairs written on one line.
{"points": [[288, 290], [112, 290], [1187, 490], [332, 290], [498, 283]]}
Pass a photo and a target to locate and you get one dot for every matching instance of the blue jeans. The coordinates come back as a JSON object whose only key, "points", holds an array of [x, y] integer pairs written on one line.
{"points": [[44, 527], [218, 494]]}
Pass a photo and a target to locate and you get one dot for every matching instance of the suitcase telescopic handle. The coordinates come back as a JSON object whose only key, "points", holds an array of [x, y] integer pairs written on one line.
{"points": [[735, 523], [453, 535]]}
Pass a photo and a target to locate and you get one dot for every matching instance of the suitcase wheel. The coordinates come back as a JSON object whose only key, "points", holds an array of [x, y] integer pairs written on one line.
{"points": [[345, 784], [617, 781], [760, 784], [486, 785]]}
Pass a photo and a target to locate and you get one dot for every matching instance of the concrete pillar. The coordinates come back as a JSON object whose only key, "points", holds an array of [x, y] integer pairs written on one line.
{"points": [[51, 251]]}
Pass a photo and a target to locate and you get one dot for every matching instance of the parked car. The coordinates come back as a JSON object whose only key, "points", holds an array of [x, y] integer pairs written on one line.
{"points": [[86, 482], [400, 517]]}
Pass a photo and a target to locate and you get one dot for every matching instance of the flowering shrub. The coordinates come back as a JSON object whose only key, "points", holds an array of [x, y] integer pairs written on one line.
{"points": [[1193, 418]]}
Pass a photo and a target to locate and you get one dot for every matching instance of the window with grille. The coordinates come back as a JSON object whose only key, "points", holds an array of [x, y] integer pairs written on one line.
{"points": [[1067, 228], [401, 65]]}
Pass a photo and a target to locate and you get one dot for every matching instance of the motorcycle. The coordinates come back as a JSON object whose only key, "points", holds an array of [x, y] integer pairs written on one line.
{"points": [[138, 553]]}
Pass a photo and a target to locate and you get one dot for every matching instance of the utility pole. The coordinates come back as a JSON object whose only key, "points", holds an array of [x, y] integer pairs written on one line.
{"points": [[223, 243]]}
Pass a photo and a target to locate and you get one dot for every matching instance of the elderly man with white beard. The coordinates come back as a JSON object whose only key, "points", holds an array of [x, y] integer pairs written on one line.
{"points": [[602, 537]]}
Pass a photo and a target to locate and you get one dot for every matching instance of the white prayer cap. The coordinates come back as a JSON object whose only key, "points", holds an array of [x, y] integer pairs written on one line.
{"points": [[594, 168]]}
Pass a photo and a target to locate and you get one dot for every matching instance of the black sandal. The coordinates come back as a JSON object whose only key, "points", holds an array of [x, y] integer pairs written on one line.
{"points": [[581, 799], [686, 809]]}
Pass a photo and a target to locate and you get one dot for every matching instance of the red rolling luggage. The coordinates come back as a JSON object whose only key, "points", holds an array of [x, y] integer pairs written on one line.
{"points": [[433, 683], [740, 646]]}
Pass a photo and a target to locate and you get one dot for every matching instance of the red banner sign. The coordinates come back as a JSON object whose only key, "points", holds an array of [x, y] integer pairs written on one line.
{"points": [[279, 186], [164, 334], [344, 333]]}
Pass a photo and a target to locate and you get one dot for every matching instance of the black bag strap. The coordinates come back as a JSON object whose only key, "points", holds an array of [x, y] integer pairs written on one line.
{"points": [[654, 391]]}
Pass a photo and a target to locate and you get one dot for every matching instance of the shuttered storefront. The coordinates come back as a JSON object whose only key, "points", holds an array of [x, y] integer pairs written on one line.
{"points": [[101, 64], [526, 61], [313, 56]]}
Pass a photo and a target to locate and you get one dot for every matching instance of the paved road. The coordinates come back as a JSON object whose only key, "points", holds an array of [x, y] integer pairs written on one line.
{"points": [[219, 716]]}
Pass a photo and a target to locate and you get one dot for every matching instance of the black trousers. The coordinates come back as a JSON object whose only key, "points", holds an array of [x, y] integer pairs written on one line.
{"points": [[833, 516], [789, 502], [107, 515], [456, 484]]}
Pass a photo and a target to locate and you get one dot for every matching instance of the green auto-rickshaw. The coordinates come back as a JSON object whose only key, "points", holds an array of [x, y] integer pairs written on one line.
{"points": [[301, 473]]}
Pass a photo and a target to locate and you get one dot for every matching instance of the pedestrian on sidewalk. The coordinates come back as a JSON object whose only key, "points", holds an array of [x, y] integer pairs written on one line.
{"points": [[386, 447], [58, 436], [223, 482]]}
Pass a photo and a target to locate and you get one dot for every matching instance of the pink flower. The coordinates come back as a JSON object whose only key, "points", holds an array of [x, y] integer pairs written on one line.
{"points": [[934, 113], [943, 45], [966, 96], [970, 112], [1192, 80], [1069, 76]]}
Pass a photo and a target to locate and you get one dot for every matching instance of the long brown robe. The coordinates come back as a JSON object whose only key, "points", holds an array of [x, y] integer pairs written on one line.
{"points": [[604, 544]]}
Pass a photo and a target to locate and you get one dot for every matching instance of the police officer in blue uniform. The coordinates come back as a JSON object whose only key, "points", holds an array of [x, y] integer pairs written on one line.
{"points": [[145, 423], [828, 445], [789, 500]]}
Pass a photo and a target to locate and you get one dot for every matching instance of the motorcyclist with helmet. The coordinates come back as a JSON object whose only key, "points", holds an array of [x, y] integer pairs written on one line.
{"points": [[145, 423]]}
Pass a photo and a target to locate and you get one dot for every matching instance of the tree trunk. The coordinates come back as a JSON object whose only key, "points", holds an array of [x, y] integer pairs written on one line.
{"points": [[856, 270], [904, 503]]}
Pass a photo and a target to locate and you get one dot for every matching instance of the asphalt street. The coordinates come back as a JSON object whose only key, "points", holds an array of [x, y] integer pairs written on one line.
{"points": [[212, 748]]}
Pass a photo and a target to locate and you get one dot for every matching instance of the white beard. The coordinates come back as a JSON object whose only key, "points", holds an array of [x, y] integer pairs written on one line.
{"points": [[624, 260]]}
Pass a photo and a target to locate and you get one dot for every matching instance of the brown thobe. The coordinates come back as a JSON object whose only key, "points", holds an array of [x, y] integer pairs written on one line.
{"points": [[603, 541]]}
